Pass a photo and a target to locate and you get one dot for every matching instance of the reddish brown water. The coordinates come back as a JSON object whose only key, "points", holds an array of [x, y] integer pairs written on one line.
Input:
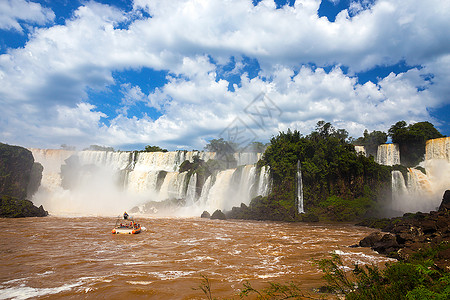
{"points": [[55, 257]]}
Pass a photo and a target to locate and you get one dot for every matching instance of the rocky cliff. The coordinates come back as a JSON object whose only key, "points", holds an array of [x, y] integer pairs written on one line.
{"points": [[19, 178], [414, 234]]}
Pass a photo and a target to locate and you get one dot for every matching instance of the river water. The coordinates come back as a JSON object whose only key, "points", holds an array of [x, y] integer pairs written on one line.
{"points": [[79, 258]]}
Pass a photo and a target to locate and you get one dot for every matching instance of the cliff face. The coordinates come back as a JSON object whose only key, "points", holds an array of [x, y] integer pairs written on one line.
{"points": [[19, 177], [15, 170]]}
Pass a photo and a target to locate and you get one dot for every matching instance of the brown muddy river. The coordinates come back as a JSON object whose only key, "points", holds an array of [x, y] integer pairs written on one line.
{"points": [[79, 258]]}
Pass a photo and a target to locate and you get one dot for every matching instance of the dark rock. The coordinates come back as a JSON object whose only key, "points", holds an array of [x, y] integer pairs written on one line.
{"points": [[416, 233], [354, 246], [371, 239], [17, 208], [15, 170], [387, 244], [404, 237], [35, 179], [445, 204], [428, 226], [309, 217], [205, 215], [218, 215]]}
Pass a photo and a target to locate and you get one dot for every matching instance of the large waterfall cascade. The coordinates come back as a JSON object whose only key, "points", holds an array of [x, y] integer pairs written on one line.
{"points": [[300, 208], [423, 191], [113, 181], [388, 154]]}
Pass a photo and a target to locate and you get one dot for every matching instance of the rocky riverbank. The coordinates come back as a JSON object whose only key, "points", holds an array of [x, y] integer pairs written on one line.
{"points": [[20, 178], [416, 234]]}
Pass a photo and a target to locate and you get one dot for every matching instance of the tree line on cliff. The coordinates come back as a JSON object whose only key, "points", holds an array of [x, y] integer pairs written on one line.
{"points": [[339, 184]]}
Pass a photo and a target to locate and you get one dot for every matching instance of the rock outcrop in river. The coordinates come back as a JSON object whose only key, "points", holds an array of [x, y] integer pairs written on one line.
{"points": [[403, 237], [19, 177]]}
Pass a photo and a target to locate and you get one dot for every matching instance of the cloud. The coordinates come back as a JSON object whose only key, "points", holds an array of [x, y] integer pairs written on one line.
{"points": [[49, 82], [14, 12]]}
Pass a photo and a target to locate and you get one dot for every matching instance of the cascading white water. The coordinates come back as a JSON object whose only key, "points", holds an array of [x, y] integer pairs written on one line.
{"points": [[264, 181], [388, 154], [108, 182], [247, 158], [300, 208], [423, 191], [191, 193], [361, 150], [438, 149]]}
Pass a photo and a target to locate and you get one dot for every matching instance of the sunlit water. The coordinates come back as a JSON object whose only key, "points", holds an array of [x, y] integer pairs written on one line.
{"points": [[79, 258]]}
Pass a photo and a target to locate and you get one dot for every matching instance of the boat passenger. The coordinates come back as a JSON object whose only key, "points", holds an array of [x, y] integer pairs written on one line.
{"points": [[125, 216]]}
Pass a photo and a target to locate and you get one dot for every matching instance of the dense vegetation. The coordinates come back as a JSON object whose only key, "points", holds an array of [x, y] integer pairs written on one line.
{"points": [[412, 139], [11, 207], [338, 183], [371, 141], [414, 279], [149, 148]]}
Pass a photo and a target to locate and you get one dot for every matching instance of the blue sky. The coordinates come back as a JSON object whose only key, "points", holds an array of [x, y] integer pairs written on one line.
{"points": [[178, 73]]}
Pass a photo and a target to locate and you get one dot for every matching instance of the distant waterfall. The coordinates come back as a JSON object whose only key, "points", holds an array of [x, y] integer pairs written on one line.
{"points": [[424, 188], [438, 149], [388, 154], [191, 193], [299, 189], [107, 182], [361, 150]]}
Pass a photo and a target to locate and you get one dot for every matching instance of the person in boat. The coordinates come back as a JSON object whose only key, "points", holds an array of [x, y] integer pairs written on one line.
{"points": [[125, 216]]}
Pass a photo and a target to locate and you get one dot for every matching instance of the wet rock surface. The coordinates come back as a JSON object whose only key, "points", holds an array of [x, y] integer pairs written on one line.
{"points": [[405, 236]]}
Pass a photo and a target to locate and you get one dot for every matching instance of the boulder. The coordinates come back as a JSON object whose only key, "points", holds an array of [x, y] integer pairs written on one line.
{"points": [[371, 239], [205, 215], [387, 244], [17, 208], [218, 215], [445, 204]]}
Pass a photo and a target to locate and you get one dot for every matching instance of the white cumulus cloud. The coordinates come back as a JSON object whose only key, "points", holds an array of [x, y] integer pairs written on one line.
{"points": [[46, 86]]}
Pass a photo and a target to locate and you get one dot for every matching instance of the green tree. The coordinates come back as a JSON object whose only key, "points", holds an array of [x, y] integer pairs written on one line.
{"points": [[338, 184], [412, 140], [149, 148], [371, 141], [224, 151]]}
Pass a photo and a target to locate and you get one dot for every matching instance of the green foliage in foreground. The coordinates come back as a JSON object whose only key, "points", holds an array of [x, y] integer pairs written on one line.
{"points": [[414, 280], [399, 280]]}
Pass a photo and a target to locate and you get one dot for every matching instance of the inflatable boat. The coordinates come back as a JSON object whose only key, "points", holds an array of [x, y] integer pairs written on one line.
{"points": [[126, 226]]}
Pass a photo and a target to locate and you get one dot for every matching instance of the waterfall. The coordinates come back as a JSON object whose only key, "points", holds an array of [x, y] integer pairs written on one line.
{"points": [[299, 189], [424, 190], [106, 182], [388, 154], [264, 182], [361, 150], [191, 193], [399, 191], [247, 158], [438, 149]]}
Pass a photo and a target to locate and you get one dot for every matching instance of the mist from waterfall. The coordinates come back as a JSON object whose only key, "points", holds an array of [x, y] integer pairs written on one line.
{"points": [[107, 183], [421, 191]]}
